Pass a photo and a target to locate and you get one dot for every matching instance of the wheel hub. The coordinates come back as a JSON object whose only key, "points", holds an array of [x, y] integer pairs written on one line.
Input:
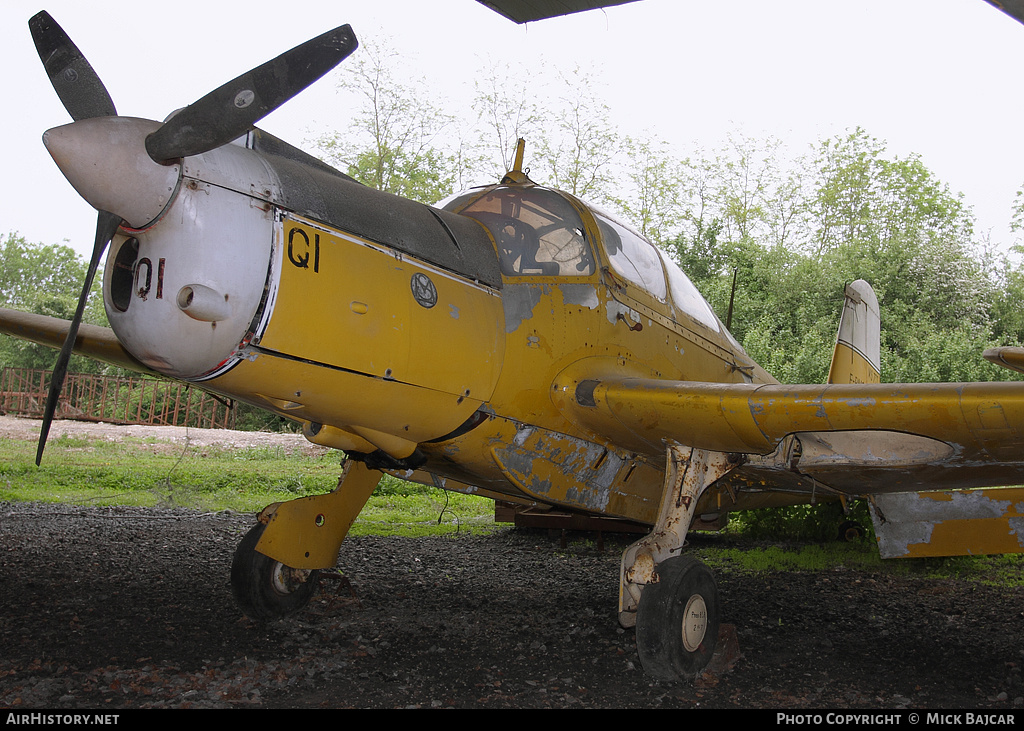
{"points": [[695, 623], [286, 580]]}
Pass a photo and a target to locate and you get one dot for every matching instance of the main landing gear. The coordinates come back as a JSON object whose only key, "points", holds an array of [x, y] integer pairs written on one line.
{"points": [[672, 600], [275, 569], [677, 620]]}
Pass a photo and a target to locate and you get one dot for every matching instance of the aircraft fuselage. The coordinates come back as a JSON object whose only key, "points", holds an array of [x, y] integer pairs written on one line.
{"points": [[406, 333]]}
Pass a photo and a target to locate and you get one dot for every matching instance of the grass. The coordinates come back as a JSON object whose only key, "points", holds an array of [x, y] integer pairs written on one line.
{"points": [[735, 552], [144, 472]]}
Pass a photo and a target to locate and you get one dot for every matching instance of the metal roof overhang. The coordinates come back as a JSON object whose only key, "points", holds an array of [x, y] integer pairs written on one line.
{"points": [[524, 11]]}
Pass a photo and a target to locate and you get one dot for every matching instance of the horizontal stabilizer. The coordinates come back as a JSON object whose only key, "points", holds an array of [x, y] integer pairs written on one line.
{"points": [[1007, 357]]}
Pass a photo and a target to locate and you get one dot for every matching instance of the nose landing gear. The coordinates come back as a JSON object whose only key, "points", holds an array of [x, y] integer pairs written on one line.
{"points": [[275, 570], [265, 589]]}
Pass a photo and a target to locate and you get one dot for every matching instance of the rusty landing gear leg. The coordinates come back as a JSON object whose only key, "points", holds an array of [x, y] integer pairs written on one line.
{"points": [[672, 599], [274, 571]]}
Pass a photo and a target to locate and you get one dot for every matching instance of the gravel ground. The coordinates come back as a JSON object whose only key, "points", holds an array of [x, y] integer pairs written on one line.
{"points": [[131, 608]]}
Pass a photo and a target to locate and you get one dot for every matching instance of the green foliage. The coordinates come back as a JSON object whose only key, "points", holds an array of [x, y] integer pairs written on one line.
{"points": [[424, 511], [394, 142], [815, 523], [420, 175], [45, 280], [253, 418], [780, 552], [795, 230], [154, 473], [814, 557], [390, 486], [579, 143], [38, 278], [846, 210]]}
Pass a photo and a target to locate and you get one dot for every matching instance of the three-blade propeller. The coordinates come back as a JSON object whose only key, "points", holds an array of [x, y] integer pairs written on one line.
{"points": [[219, 117]]}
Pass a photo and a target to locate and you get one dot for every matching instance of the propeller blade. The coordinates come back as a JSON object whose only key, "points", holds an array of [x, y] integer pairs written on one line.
{"points": [[106, 227], [74, 80], [231, 110]]}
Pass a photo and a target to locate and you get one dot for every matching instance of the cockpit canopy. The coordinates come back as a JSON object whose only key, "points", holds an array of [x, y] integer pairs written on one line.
{"points": [[539, 232]]}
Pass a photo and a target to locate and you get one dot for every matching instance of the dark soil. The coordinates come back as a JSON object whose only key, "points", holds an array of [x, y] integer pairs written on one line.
{"points": [[126, 608]]}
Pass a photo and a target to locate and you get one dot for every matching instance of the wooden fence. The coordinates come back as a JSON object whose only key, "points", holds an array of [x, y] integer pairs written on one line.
{"points": [[134, 400]]}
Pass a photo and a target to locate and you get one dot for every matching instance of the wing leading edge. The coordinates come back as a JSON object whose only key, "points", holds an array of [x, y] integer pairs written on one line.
{"points": [[856, 438], [92, 341]]}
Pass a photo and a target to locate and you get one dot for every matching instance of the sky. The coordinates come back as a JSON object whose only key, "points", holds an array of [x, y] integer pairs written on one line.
{"points": [[936, 78]]}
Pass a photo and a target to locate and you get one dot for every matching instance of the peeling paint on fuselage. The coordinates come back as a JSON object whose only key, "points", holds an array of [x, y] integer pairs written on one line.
{"points": [[896, 541], [614, 310], [965, 505], [584, 295], [518, 301], [562, 469]]}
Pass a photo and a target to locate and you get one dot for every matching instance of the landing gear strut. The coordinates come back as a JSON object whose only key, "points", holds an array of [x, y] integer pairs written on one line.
{"points": [[275, 569], [672, 600]]}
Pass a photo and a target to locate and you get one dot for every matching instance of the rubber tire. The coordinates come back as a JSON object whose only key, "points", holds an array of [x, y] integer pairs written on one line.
{"points": [[254, 587], [660, 615], [850, 531]]}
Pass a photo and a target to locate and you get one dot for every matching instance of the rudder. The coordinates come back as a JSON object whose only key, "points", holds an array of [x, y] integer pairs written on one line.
{"points": [[857, 355]]}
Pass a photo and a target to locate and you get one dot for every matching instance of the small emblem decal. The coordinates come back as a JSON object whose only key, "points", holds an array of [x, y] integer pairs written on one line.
{"points": [[244, 98], [423, 290]]}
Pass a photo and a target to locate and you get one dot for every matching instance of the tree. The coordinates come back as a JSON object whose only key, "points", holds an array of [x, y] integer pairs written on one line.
{"points": [[44, 280], [794, 231], [1017, 221], [394, 142], [579, 143], [506, 110], [892, 222], [650, 193], [1008, 310], [797, 233]]}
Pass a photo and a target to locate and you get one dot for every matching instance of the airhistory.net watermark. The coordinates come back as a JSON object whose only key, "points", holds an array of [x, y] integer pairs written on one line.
{"points": [[61, 719]]}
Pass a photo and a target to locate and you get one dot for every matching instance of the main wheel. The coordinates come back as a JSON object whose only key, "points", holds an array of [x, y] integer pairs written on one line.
{"points": [[850, 531], [265, 589], [677, 620]]}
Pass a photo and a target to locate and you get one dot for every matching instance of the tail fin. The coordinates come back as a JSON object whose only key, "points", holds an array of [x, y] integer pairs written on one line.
{"points": [[857, 357]]}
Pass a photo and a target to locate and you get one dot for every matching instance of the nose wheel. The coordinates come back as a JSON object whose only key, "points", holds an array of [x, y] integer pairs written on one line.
{"points": [[265, 589], [677, 620]]}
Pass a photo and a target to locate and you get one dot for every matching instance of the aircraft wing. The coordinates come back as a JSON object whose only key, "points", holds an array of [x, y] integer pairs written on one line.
{"points": [[860, 439], [93, 341]]}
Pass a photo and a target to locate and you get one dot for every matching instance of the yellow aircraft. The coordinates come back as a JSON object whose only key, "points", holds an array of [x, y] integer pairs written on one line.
{"points": [[512, 342]]}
